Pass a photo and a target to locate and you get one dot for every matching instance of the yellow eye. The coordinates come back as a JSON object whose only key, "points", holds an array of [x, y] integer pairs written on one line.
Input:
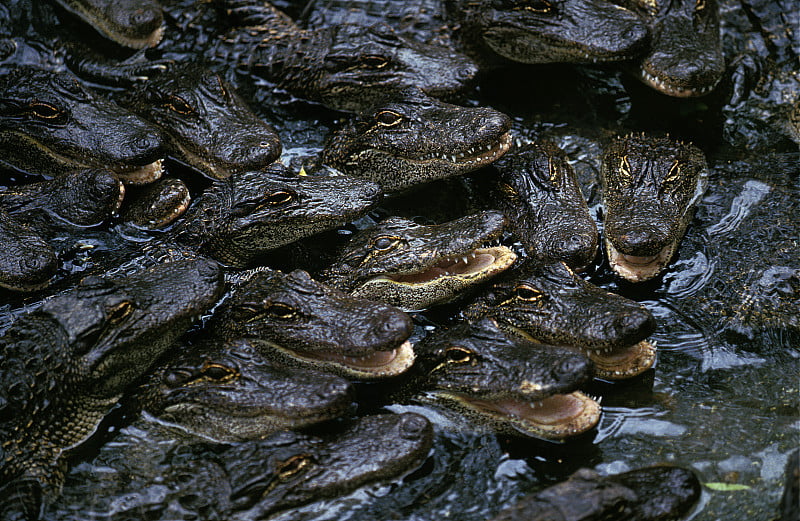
{"points": [[508, 190], [374, 61], [279, 198], [553, 171], [700, 5], [528, 294], [118, 312], [459, 355], [624, 167], [281, 311], [674, 173], [536, 6], [293, 465], [388, 118], [217, 372], [179, 105], [385, 243], [45, 110]]}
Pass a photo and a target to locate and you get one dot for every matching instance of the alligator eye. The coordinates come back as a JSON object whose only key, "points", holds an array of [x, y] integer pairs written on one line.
{"points": [[508, 190], [458, 355], [281, 311], [385, 242], [624, 167], [177, 378], [673, 176], [528, 294], [387, 118], [536, 6], [280, 197], [217, 372], [45, 110], [700, 5], [293, 465], [374, 61], [553, 169], [117, 313], [179, 105]]}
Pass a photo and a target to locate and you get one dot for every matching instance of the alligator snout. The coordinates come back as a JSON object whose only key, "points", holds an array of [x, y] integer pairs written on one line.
{"points": [[640, 242], [634, 326]]}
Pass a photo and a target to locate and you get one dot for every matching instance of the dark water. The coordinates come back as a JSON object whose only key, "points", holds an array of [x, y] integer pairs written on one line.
{"points": [[724, 397]]}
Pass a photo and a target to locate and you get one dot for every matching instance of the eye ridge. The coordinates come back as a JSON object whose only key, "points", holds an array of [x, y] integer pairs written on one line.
{"points": [[293, 465], [388, 118], [458, 355], [119, 312], [528, 293], [281, 310], [374, 61], [44, 110], [179, 105], [385, 242], [279, 197]]}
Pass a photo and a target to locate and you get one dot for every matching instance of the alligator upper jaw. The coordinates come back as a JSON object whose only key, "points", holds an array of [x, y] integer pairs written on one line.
{"points": [[473, 157], [374, 366], [665, 87], [638, 269], [554, 418]]}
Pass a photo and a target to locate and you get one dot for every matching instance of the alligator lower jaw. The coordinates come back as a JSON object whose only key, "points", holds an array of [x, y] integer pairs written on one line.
{"points": [[623, 362], [140, 175], [480, 263], [474, 157], [377, 365], [664, 87], [638, 269], [553, 418]]}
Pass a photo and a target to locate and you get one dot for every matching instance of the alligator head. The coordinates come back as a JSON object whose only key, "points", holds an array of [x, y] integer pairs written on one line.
{"points": [[239, 218], [230, 392], [50, 123], [299, 321], [538, 186], [27, 262], [650, 188], [553, 31], [552, 305], [158, 204], [686, 51], [132, 23], [510, 384], [206, 124], [413, 138], [413, 266]]}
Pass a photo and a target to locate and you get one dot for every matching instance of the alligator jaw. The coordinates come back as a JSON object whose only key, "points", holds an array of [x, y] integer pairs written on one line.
{"points": [[662, 85], [638, 269], [474, 157], [141, 175], [623, 362]]}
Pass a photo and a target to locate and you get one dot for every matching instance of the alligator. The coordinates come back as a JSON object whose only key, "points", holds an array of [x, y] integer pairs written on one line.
{"points": [[298, 321], [549, 303], [685, 56], [650, 188], [536, 184], [66, 364], [131, 23], [412, 138], [206, 124], [158, 204], [412, 266], [51, 125], [80, 197], [27, 262], [557, 31], [647, 494], [229, 391], [506, 383], [249, 480]]}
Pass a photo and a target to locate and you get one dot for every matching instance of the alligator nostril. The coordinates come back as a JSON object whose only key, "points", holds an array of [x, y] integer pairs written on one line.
{"points": [[467, 73], [640, 323], [571, 368], [398, 323], [208, 269], [413, 426], [334, 389], [640, 242], [148, 16]]}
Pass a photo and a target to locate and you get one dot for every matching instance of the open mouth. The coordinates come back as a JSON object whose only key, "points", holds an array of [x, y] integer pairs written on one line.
{"points": [[476, 156], [553, 418], [623, 362], [140, 175], [635, 268], [481, 262], [376, 365], [673, 90]]}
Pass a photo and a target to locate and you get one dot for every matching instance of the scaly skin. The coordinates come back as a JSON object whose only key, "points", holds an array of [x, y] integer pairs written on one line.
{"points": [[298, 321], [66, 364], [508, 384], [539, 188], [132, 23], [207, 125], [412, 139], [552, 305], [27, 262], [158, 204], [228, 392], [51, 125], [82, 197], [685, 57], [413, 267], [650, 189], [646, 494]]}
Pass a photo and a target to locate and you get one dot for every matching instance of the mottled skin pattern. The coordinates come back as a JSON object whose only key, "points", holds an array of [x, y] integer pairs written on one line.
{"points": [[66, 364], [132, 23], [255, 479], [228, 391], [647, 494], [552, 305], [549, 31], [503, 383], [537, 185], [158, 204], [650, 188], [296, 320], [413, 266], [27, 262], [206, 124], [81, 197], [412, 139], [685, 57], [50, 125]]}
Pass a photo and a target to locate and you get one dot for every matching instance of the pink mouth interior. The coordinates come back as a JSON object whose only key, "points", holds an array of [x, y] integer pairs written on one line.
{"points": [[470, 263]]}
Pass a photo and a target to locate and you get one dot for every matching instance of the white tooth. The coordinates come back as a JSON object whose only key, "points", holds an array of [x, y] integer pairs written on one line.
{"points": [[466, 261]]}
